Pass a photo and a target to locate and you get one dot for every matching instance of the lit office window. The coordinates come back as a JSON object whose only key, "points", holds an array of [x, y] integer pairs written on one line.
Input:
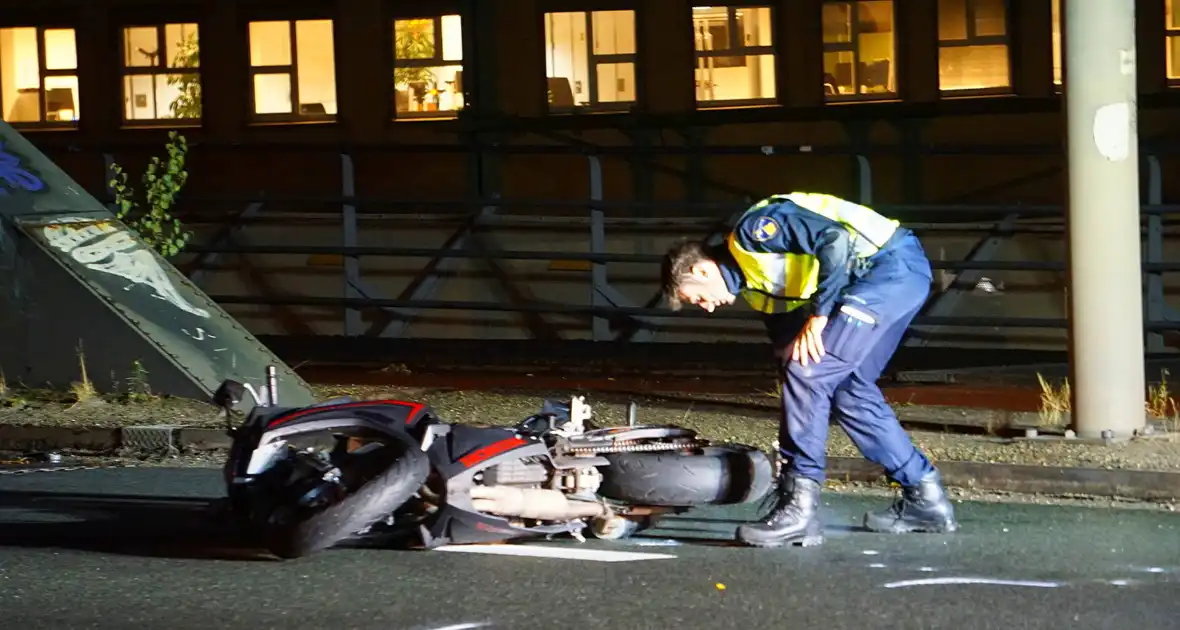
{"points": [[1172, 25], [38, 75], [1057, 42], [973, 45], [161, 75], [428, 66], [293, 70], [859, 49], [734, 55], [590, 59]]}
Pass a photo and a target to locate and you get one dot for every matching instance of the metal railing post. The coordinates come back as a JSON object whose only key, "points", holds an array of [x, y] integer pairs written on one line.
{"points": [[1155, 252], [352, 264], [600, 327], [865, 171]]}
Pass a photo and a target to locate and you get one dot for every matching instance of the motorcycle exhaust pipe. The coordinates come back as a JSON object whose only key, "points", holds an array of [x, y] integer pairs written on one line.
{"points": [[538, 503]]}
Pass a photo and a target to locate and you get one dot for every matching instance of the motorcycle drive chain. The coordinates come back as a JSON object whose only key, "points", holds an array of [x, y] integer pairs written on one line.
{"points": [[637, 447]]}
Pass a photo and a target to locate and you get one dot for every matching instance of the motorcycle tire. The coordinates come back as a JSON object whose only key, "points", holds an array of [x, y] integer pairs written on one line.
{"points": [[718, 475], [372, 502]]}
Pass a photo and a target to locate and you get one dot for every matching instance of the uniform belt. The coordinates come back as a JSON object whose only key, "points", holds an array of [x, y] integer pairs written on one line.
{"points": [[896, 240]]}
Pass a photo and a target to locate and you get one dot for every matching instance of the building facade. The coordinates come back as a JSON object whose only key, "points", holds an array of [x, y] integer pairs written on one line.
{"points": [[306, 78], [385, 99]]}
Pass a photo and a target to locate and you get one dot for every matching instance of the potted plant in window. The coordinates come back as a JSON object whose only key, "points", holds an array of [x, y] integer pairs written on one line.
{"points": [[188, 103], [414, 43]]}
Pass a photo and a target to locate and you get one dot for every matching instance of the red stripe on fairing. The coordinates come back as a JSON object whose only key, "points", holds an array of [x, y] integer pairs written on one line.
{"points": [[414, 408], [490, 451]]}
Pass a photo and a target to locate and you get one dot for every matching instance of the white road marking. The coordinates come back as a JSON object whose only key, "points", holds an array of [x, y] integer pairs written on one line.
{"points": [[465, 626], [969, 580], [563, 553]]}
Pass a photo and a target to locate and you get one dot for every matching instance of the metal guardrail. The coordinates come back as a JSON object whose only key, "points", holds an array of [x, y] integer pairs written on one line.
{"points": [[606, 301]]}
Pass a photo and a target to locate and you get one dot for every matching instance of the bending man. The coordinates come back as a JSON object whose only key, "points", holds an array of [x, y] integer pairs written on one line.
{"points": [[838, 284]]}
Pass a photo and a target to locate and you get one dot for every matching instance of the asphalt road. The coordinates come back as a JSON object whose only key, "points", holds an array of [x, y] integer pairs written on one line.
{"points": [[128, 549]]}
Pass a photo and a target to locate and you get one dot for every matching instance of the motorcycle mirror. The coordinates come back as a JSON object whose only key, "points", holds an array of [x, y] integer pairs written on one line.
{"points": [[229, 394]]}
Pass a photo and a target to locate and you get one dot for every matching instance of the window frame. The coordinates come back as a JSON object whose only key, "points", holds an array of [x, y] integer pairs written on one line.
{"points": [[160, 69], [434, 62], [44, 72], [593, 60], [1171, 33], [292, 70], [971, 40], [733, 26], [853, 46]]}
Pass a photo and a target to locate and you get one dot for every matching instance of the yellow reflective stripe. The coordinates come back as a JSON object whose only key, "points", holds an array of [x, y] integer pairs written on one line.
{"points": [[871, 225], [768, 305], [861, 221], [781, 275]]}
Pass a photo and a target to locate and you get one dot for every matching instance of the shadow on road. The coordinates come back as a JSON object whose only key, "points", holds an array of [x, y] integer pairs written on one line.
{"points": [[189, 528], [168, 527]]}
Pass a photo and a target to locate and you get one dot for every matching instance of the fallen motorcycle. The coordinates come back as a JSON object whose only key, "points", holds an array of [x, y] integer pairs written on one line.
{"points": [[303, 479]]}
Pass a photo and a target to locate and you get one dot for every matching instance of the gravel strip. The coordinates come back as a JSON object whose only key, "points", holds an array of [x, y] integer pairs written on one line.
{"points": [[758, 428]]}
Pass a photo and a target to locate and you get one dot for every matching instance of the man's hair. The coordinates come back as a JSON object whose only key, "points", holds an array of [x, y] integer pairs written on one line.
{"points": [[678, 262]]}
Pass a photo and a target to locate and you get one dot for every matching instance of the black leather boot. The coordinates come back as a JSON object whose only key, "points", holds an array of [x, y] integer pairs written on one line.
{"points": [[794, 519], [921, 508]]}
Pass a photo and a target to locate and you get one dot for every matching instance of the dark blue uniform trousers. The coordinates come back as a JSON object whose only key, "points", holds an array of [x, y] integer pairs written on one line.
{"points": [[890, 293]]}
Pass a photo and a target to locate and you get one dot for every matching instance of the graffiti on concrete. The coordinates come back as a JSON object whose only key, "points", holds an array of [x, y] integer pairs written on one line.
{"points": [[200, 335], [14, 175], [101, 246]]}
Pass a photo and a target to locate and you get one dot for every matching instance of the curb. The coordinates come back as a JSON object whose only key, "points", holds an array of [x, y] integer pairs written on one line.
{"points": [[1142, 485]]}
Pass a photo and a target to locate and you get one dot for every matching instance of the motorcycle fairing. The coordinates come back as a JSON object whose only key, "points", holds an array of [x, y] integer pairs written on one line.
{"points": [[273, 423], [401, 413]]}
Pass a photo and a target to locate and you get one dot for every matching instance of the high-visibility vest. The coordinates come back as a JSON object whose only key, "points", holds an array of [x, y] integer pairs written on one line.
{"points": [[783, 282]]}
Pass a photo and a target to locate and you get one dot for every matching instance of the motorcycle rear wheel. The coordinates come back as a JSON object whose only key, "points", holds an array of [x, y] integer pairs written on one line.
{"points": [[717, 475], [314, 531]]}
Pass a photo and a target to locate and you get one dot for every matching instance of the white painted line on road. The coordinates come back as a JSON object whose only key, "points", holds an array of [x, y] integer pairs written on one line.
{"points": [[466, 626], [563, 553], [969, 580]]}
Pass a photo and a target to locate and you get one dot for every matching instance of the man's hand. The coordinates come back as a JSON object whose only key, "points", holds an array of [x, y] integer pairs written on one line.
{"points": [[810, 342]]}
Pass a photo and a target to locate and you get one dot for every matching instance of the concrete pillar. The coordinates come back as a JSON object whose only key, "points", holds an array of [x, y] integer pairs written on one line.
{"points": [[917, 50], [99, 81], [363, 33], [665, 33], [1105, 292], [225, 83], [1032, 75], [800, 53]]}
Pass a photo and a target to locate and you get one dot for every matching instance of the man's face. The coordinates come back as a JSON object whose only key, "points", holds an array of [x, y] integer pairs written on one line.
{"points": [[704, 287]]}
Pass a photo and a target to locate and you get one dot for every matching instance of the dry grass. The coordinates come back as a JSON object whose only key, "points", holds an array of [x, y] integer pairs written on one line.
{"points": [[1161, 404], [1055, 402], [83, 390]]}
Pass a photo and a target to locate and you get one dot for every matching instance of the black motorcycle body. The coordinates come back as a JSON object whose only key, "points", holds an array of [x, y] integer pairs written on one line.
{"points": [[443, 483]]}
